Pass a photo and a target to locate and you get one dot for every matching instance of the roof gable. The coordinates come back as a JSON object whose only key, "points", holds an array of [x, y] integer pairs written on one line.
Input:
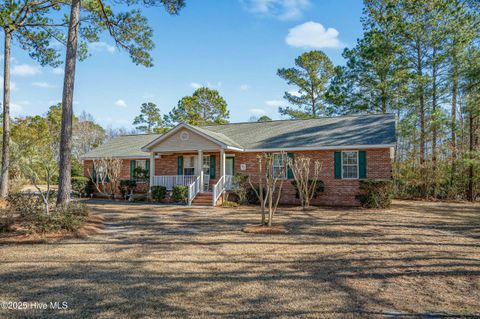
{"points": [[197, 138]]}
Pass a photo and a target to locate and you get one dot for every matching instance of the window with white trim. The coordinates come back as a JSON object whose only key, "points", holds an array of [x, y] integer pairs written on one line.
{"points": [[189, 165], [350, 164], [279, 161], [140, 170], [206, 165]]}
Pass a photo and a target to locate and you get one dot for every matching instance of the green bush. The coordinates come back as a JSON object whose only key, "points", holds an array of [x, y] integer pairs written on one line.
{"points": [[241, 187], [252, 197], [31, 211], [138, 198], [6, 221], [127, 186], [230, 204], [375, 193], [90, 188], [26, 204], [158, 193], [180, 193], [79, 184]]}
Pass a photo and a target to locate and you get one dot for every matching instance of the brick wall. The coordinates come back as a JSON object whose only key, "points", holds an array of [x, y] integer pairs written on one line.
{"points": [[337, 192], [142, 187]]}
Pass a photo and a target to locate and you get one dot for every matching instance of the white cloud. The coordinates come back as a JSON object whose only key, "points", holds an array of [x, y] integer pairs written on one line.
{"points": [[257, 112], [195, 85], [25, 70], [58, 71], [280, 9], [121, 103], [295, 93], [244, 87], [276, 103], [18, 107], [44, 85], [210, 85], [313, 35], [102, 46], [13, 85]]}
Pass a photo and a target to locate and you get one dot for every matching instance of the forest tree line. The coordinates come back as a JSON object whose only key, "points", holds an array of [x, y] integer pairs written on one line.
{"points": [[417, 59]]}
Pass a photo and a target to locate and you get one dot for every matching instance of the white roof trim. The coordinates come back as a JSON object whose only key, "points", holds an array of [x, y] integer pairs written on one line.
{"points": [[319, 148], [122, 157], [147, 147]]}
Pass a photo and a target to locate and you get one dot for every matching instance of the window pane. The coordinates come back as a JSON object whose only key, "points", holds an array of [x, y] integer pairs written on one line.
{"points": [[189, 171], [206, 165], [349, 157], [141, 164], [350, 171]]}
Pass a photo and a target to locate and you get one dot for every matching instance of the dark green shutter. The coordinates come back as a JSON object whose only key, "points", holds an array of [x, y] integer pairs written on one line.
{"points": [[233, 169], [362, 164], [337, 164], [147, 165], [180, 165], [212, 166], [289, 170], [94, 173], [132, 169]]}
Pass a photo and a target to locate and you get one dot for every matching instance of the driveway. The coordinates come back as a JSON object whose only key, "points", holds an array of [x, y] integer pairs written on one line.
{"points": [[421, 259]]}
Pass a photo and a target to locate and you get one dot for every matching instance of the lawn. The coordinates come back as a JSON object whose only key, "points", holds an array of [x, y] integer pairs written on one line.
{"points": [[170, 261]]}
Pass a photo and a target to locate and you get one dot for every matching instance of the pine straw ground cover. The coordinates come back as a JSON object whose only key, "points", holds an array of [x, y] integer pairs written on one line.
{"points": [[173, 261]]}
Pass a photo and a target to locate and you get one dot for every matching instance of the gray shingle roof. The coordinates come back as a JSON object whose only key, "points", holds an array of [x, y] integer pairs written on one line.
{"points": [[358, 130], [123, 146], [320, 132]]}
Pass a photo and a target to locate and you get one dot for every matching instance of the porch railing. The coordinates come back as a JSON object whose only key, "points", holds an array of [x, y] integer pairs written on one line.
{"points": [[228, 182], [218, 190], [169, 181], [193, 190]]}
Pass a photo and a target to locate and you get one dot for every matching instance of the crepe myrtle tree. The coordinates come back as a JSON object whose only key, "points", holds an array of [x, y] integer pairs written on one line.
{"points": [[306, 179], [105, 175], [129, 30], [270, 179]]}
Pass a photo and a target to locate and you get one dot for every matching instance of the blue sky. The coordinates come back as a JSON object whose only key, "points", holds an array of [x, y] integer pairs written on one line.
{"points": [[234, 46]]}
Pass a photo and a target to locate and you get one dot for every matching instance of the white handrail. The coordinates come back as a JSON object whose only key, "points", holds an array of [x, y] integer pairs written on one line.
{"points": [[218, 190], [169, 181], [193, 190]]}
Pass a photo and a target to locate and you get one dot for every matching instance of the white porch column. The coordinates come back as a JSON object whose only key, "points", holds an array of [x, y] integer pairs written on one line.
{"points": [[152, 168], [200, 168], [222, 162]]}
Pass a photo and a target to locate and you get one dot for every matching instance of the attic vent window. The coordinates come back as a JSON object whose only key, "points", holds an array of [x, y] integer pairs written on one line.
{"points": [[184, 136]]}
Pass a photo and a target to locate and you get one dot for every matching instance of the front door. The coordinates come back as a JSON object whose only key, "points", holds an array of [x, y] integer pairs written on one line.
{"points": [[230, 166]]}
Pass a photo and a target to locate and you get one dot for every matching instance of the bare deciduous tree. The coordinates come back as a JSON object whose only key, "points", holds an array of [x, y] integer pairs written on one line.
{"points": [[306, 181], [271, 173], [107, 175]]}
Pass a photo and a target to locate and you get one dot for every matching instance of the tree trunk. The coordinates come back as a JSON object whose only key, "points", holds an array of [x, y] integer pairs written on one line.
{"points": [[421, 111], [64, 185], [6, 116], [470, 192], [434, 127], [454, 121]]}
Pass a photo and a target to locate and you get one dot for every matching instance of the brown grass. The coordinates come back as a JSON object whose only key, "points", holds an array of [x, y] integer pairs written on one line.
{"points": [[261, 229], [415, 259]]}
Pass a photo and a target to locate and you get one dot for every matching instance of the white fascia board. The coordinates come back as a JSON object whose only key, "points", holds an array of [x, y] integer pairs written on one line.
{"points": [[121, 157]]}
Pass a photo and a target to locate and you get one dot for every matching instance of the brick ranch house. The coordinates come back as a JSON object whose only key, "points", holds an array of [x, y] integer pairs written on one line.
{"points": [[205, 158]]}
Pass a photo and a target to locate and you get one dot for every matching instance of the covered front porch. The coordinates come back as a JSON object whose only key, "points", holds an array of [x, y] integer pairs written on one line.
{"points": [[202, 172], [188, 156]]}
